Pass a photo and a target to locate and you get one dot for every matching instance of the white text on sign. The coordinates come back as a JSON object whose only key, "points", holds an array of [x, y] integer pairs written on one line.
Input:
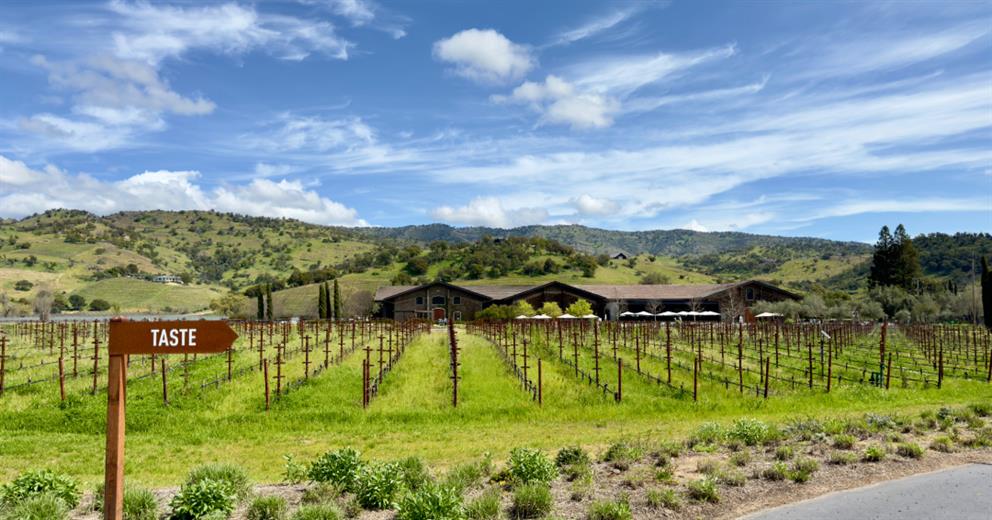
{"points": [[173, 337]]}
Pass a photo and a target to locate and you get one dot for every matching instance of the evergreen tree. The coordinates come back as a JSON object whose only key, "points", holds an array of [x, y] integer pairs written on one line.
{"points": [[268, 302], [322, 302], [881, 260], [261, 305], [906, 260], [986, 293], [337, 300]]}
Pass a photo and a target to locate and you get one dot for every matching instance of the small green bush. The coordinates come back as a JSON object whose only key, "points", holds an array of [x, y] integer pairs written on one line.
{"points": [[610, 510], [577, 471], [41, 482], [981, 409], [317, 512], [320, 493], [841, 458], [571, 456], [942, 444], [197, 499], [44, 506], [749, 431], [528, 465], [844, 441], [621, 455], [414, 473], [732, 477], [341, 468], [910, 450], [486, 506], [707, 433], [234, 477], [532, 500], [666, 498], [873, 453], [704, 490], [294, 472], [378, 485], [803, 469], [267, 508], [741, 459], [140, 504], [708, 466], [431, 502], [777, 471], [784, 453], [464, 476]]}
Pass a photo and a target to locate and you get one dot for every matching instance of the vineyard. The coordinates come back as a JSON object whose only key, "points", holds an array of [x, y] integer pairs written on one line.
{"points": [[392, 389]]}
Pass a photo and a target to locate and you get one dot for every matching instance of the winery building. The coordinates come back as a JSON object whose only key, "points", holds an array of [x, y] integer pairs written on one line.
{"points": [[440, 300]]}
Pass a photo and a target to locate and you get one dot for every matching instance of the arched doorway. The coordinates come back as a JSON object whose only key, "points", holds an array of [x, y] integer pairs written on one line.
{"points": [[438, 313]]}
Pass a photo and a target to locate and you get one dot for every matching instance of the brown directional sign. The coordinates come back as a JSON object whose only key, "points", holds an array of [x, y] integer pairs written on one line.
{"points": [[170, 337]]}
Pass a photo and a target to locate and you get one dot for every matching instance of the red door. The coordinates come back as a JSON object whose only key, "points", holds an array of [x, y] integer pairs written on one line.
{"points": [[438, 313]]}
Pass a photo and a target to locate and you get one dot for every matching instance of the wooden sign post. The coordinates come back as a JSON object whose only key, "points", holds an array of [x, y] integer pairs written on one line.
{"points": [[148, 337]]}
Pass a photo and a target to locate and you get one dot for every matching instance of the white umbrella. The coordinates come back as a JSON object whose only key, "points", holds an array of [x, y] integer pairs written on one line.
{"points": [[769, 315], [590, 317], [644, 313], [542, 317], [627, 313], [692, 313], [683, 313], [523, 317], [709, 313], [566, 316], [668, 314]]}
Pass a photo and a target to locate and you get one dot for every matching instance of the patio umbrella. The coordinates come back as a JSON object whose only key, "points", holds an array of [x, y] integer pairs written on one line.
{"points": [[566, 316], [542, 317]]}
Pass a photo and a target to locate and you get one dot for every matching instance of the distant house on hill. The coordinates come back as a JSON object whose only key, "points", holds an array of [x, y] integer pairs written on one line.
{"points": [[167, 278], [440, 300], [619, 256]]}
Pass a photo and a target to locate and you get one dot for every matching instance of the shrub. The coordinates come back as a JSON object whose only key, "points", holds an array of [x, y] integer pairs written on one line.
{"points": [[777, 471], [844, 441], [529, 465], [140, 504], [44, 506], [295, 472], [378, 485], [981, 409], [808, 429], [708, 466], [340, 468], [234, 477], [841, 458], [468, 475], [942, 444], [571, 456], [704, 490], [197, 499], [666, 498], [622, 455], [707, 433], [732, 477], [784, 453], [41, 482], [317, 512], [414, 473], [99, 305], [532, 500], [486, 506], [431, 502], [267, 508], [910, 450], [665, 474], [320, 493], [577, 471], [741, 458], [749, 431], [610, 510], [873, 453], [803, 469]]}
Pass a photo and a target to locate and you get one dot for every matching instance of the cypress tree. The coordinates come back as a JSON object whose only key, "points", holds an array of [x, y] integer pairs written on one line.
{"points": [[268, 302], [337, 300], [322, 302], [261, 304], [881, 260], [986, 293], [906, 260]]}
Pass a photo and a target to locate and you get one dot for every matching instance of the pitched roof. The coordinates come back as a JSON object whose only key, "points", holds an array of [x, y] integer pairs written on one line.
{"points": [[656, 292], [388, 291]]}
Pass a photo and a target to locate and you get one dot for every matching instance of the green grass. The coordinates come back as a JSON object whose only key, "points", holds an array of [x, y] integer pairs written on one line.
{"points": [[411, 416], [143, 296]]}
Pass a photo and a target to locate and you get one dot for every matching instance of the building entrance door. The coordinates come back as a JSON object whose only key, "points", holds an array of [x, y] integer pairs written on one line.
{"points": [[438, 313]]}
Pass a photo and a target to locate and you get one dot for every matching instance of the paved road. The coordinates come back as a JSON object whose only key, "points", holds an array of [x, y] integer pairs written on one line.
{"points": [[960, 493]]}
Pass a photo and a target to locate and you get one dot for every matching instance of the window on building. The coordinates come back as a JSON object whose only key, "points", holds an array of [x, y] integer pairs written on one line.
{"points": [[749, 293], [458, 315], [457, 300], [420, 300], [437, 300]]}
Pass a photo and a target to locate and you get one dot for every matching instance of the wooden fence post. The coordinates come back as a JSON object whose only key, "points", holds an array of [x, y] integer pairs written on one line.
{"points": [[619, 379], [113, 501], [540, 387], [61, 378], [265, 374], [165, 385]]}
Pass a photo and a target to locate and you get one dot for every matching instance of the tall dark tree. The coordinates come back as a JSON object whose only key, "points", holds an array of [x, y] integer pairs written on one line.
{"points": [[261, 305], [268, 302], [986, 293], [906, 260], [881, 260], [322, 302], [337, 300]]}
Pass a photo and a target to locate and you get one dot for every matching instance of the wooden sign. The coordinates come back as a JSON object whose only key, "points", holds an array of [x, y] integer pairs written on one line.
{"points": [[146, 337], [170, 337]]}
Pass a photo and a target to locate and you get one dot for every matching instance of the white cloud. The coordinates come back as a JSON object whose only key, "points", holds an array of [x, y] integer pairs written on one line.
{"points": [[588, 205], [558, 103], [597, 25], [155, 32], [86, 136], [24, 191], [315, 134], [358, 12], [694, 225], [622, 75], [489, 211], [908, 205], [484, 56]]}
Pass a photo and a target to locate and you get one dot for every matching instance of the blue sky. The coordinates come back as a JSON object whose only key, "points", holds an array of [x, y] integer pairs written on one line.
{"points": [[796, 118]]}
